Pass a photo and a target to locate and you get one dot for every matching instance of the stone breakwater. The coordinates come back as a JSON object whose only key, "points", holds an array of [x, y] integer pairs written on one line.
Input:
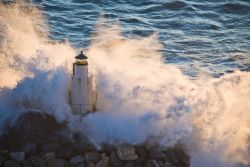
{"points": [[24, 146], [74, 155]]}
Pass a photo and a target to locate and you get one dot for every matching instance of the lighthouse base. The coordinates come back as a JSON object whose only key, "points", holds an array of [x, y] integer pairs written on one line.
{"points": [[82, 109]]}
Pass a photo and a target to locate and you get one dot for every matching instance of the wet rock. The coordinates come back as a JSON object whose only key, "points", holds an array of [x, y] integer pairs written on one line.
{"points": [[141, 151], [77, 160], [160, 163], [84, 145], [27, 163], [156, 153], [4, 151], [172, 157], [152, 142], [78, 148], [11, 164], [126, 152], [50, 148], [64, 141], [30, 148], [56, 163], [114, 160], [31, 121], [142, 155], [141, 161], [66, 153], [37, 162], [108, 148], [103, 163], [48, 156], [91, 164], [152, 163], [183, 158], [103, 155], [130, 164], [17, 156], [2, 159], [81, 165], [167, 164], [92, 156]]}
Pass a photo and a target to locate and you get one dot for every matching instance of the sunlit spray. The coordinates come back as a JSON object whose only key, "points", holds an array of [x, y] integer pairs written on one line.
{"points": [[139, 96]]}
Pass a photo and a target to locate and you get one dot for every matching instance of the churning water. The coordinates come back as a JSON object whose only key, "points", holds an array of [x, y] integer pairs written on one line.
{"points": [[199, 36], [174, 71]]}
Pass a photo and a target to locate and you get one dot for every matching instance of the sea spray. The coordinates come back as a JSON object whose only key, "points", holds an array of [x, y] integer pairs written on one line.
{"points": [[221, 120], [24, 40], [133, 96], [34, 72], [139, 96]]}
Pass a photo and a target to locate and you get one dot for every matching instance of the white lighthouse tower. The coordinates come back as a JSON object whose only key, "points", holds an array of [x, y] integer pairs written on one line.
{"points": [[83, 94]]}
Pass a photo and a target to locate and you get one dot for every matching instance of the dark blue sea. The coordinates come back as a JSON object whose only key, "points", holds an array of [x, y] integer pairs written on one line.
{"points": [[197, 35]]}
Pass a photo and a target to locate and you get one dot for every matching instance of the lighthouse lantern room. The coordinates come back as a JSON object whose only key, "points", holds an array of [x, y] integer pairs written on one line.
{"points": [[83, 94]]}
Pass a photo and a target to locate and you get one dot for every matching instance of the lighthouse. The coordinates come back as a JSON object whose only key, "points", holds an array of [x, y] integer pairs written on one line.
{"points": [[83, 94]]}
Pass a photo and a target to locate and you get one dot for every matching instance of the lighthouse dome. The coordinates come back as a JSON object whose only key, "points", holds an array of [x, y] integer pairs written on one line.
{"points": [[81, 59], [81, 56]]}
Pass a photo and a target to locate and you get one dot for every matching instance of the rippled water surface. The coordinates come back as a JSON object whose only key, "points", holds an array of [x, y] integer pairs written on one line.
{"points": [[198, 36]]}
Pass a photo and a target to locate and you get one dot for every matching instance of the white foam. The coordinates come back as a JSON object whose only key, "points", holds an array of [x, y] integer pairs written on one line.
{"points": [[139, 96]]}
